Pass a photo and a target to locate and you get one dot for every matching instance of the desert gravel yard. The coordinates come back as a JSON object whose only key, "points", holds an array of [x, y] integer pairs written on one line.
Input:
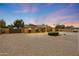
{"points": [[39, 44]]}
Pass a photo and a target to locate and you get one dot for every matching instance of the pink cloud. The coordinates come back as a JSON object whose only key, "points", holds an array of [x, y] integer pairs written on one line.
{"points": [[21, 11], [58, 19], [34, 9], [58, 16], [25, 8], [76, 24], [60, 11]]}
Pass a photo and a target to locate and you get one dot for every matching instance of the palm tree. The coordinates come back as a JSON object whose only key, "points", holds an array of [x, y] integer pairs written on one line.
{"points": [[19, 23], [2, 23]]}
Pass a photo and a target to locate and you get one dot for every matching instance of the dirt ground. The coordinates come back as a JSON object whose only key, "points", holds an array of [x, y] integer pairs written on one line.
{"points": [[39, 44]]}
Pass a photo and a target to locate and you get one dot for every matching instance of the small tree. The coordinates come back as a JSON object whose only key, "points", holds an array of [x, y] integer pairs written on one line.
{"points": [[2, 23], [19, 23]]}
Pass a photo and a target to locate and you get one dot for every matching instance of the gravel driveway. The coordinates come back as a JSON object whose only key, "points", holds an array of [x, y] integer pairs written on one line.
{"points": [[39, 44]]}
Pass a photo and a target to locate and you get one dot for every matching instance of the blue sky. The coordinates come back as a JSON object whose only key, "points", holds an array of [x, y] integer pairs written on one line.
{"points": [[41, 13]]}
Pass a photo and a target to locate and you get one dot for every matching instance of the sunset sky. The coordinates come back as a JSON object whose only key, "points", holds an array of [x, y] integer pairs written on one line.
{"points": [[41, 13]]}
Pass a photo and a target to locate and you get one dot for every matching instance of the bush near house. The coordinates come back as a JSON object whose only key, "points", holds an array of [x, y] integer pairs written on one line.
{"points": [[14, 30]]}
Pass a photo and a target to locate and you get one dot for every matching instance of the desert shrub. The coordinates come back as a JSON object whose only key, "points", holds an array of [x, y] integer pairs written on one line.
{"points": [[11, 30], [75, 31], [29, 31], [37, 30], [53, 33]]}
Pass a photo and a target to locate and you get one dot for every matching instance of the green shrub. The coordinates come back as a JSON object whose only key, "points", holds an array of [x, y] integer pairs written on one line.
{"points": [[53, 33]]}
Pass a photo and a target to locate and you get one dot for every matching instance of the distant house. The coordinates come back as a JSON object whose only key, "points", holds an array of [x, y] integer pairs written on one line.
{"points": [[76, 29], [69, 29], [31, 28], [37, 28]]}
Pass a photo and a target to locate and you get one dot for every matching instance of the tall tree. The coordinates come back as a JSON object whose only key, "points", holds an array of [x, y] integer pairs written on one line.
{"points": [[2, 23], [19, 23]]}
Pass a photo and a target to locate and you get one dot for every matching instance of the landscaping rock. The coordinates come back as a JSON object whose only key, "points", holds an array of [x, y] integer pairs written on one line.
{"points": [[53, 33]]}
